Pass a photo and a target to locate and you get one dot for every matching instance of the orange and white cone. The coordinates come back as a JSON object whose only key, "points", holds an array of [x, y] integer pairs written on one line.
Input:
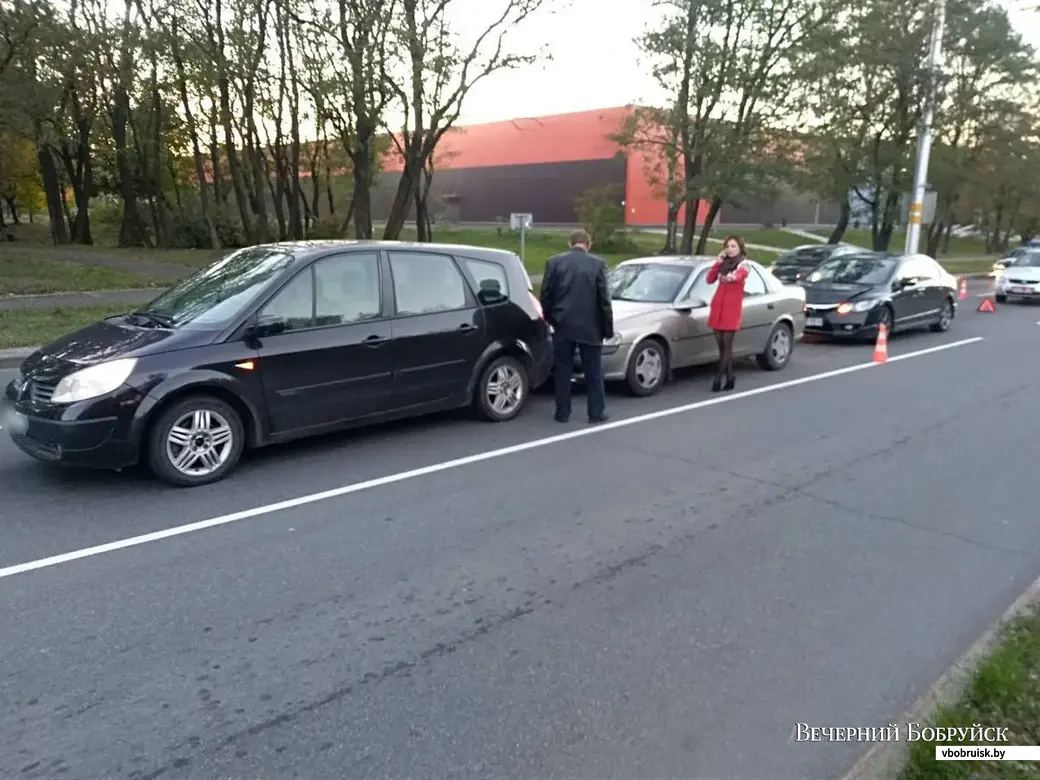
{"points": [[963, 295], [881, 347]]}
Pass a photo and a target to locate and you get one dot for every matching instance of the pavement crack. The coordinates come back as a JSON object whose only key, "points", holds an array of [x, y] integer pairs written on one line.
{"points": [[904, 522], [391, 670]]}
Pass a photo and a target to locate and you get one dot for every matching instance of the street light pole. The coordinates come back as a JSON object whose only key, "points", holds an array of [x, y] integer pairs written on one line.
{"points": [[924, 139]]}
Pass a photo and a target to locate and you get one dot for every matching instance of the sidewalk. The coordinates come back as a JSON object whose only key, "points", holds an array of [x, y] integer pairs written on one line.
{"points": [[69, 300]]}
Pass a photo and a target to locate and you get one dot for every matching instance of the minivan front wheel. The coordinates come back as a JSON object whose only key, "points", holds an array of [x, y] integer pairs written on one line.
{"points": [[196, 441], [502, 390]]}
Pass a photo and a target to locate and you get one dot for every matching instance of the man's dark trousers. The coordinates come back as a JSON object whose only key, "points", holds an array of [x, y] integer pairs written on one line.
{"points": [[592, 368]]}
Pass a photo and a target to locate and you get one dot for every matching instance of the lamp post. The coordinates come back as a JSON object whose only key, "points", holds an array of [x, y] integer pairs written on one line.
{"points": [[924, 139]]}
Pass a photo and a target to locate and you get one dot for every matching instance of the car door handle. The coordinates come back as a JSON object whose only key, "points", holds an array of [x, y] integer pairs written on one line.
{"points": [[375, 341], [466, 327], [770, 306]]}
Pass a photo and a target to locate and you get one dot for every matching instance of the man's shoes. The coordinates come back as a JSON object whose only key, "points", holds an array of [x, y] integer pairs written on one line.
{"points": [[716, 386], [599, 418], [561, 418]]}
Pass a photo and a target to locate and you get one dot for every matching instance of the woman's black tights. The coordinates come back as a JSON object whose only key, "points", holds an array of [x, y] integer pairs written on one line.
{"points": [[724, 338]]}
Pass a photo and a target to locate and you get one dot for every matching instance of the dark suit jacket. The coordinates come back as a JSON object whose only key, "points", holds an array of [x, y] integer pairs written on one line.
{"points": [[576, 299]]}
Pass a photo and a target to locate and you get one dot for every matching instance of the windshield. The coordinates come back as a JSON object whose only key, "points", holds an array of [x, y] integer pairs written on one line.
{"points": [[811, 256], [212, 297], [854, 269], [1028, 260], [647, 282]]}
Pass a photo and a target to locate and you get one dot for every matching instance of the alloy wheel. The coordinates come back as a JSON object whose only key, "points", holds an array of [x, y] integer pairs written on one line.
{"points": [[504, 390], [199, 443], [649, 366], [780, 345]]}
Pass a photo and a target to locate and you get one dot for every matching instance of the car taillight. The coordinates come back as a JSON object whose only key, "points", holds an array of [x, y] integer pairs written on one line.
{"points": [[537, 305]]}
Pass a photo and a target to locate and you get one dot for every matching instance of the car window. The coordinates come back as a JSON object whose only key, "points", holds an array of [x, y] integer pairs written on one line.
{"points": [[701, 289], [346, 289], [426, 283], [294, 303], [854, 269], [917, 268], [647, 282], [215, 295], [485, 273], [1028, 260], [754, 284], [805, 257]]}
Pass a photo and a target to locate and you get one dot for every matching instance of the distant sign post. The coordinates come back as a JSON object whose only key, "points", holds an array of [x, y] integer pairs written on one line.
{"points": [[521, 222]]}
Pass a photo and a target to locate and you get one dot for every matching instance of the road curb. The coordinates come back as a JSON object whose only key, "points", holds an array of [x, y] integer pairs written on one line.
{"points": [[12, 358], [886, 760]]}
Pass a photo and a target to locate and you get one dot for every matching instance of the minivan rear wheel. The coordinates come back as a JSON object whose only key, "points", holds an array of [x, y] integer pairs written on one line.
{"points": [[502, 391], [195, 441]]}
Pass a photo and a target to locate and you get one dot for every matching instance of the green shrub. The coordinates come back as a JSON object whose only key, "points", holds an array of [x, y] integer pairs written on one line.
{"points": [[600, 212]]}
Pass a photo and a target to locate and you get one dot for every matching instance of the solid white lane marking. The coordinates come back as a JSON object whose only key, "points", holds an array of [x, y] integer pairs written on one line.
{"points": [[435, 468]]}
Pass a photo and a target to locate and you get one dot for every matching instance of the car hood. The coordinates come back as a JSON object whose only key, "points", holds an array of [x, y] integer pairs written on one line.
{"points": [[834, 293], [1026, 273], [107, 340], [626, 310]]}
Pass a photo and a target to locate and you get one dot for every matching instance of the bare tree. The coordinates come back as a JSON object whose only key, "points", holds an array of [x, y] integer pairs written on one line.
{"points": [[440, 75]]}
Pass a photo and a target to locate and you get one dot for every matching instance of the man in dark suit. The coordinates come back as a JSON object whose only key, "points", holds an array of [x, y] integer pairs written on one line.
{"points": [[576, 302]]}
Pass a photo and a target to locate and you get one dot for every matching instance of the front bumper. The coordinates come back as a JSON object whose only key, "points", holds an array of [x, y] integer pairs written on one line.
{"points": [[829, 323], [93, 434], [1026, 292], [615, 362]]}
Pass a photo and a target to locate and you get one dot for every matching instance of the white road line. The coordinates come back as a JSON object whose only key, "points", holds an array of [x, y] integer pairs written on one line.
{"points": [[435, 468]]}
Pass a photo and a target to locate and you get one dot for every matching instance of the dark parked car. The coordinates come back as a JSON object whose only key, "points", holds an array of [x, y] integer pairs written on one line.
{"points": [[282, 341], [852, 295], [794, 266]]}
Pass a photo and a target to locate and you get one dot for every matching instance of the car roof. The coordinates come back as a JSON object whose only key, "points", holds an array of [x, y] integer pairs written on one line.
{"points": [[306, 250], [688, 261]]}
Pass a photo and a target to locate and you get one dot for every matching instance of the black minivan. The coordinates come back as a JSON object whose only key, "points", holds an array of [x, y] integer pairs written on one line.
{"points": [[281, 341]]}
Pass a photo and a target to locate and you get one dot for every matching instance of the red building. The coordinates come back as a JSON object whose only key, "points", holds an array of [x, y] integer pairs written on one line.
{"points": [[536, 165]]}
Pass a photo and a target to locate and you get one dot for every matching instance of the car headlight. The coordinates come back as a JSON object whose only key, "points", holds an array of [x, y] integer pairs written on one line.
{"points": [[613, 341], [93, 381], [860, 306]]}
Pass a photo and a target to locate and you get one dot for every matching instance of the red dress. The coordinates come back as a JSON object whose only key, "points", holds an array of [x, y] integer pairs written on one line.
{"points": [[727, 304]]}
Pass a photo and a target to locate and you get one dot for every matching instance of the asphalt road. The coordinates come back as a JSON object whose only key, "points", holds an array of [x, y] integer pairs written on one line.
{"points": [[661, 599]]}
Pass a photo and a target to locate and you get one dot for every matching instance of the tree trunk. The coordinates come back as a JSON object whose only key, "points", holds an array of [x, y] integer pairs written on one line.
{"points": [[709, 220], [131, 231], [843, 222], [52, 191], [208, 213]]}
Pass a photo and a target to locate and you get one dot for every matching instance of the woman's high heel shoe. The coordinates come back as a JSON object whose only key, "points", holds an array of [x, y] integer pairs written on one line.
{"points": [[731, 382], [716, 386]]}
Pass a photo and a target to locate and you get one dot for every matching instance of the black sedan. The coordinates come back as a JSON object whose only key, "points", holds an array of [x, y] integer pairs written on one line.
{"points": [[851, 296], [279, 342], [797, 264]]}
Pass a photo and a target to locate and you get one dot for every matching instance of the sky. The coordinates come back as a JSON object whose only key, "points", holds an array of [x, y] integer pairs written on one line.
{"points": [[595, 63]]}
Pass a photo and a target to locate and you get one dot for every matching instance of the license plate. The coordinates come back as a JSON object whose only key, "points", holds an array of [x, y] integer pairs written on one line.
{"points": [[814, 322], [1022, 290]]}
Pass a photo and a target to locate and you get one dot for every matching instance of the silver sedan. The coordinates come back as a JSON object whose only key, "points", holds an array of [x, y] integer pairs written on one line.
{"points": [[661, 307]]}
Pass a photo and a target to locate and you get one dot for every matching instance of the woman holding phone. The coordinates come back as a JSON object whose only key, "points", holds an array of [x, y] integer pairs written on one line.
{"points": [[727, 306]]}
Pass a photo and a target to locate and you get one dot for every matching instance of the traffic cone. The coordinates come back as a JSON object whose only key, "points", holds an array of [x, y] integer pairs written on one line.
{"points": [[881, 347], [963, 295], [987, 306]]}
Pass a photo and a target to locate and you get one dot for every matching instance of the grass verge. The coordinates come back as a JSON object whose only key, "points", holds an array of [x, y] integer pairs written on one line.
{"points": [[21, 275], [1005, 693], [970, 246], [30, 327]]}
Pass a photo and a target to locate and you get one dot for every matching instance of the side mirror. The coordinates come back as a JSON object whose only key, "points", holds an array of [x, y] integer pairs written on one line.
{"points": [[267, 325], [689, 304]]}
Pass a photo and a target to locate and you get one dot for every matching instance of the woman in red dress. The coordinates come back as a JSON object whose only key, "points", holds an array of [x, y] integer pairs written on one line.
{"points": [[727, 305]]}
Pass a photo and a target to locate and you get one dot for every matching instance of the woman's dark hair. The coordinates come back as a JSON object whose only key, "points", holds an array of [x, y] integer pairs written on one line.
{"points": [[740, 243]]}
